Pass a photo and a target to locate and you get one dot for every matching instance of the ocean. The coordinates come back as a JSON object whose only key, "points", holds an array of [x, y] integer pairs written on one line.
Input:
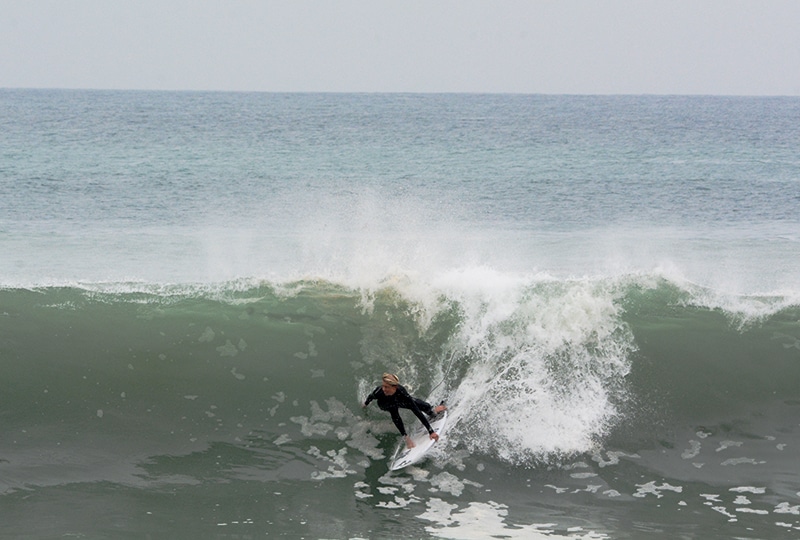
{"points": [[198, 290]]}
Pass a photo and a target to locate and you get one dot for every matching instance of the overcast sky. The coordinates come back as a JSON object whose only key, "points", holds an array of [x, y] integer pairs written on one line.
{"points": [[741, 47]]}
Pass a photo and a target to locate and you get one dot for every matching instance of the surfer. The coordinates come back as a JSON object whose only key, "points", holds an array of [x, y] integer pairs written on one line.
{"points": [[391, 396]]}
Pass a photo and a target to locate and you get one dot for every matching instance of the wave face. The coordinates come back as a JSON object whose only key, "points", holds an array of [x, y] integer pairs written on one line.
{"points": [[164, 389], [534, 369]]}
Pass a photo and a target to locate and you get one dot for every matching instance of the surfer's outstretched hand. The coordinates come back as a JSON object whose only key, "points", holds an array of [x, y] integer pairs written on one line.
{"points": [[435, 436]]}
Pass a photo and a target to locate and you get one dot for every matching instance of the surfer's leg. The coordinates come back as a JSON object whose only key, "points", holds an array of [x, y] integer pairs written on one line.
{"points": [[424, 406], [429, 409]]}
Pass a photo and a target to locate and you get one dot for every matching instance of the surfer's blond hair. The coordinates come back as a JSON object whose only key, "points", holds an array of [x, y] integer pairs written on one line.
{"points": [[390, 379]]}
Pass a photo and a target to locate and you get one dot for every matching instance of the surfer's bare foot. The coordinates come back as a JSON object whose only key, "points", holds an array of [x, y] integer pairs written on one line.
{"points": [[409, 443], [439, 408]]}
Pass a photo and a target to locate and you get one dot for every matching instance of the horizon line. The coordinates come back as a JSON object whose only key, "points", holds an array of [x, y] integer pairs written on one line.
{"points": [[395, 92]]}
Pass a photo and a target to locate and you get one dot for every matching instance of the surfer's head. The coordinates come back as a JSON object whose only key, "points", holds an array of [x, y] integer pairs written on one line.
{"points": [[389, 383], [390, 379]]}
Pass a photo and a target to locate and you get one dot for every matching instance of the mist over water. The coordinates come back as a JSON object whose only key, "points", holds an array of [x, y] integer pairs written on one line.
{"points": [[166, 187]]}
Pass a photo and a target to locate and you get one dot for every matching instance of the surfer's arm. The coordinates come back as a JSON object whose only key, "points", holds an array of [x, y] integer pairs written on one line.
{"points": [[398, 421], [411, 404], [372, 396], [425, 423], [433, 435]]}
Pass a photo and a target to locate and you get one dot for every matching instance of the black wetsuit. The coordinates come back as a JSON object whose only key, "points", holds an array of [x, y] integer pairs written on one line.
{"points": [[401, 398]]}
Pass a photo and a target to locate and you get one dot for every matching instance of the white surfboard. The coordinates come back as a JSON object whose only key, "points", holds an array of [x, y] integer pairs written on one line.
{"points": [[403, 457]]}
